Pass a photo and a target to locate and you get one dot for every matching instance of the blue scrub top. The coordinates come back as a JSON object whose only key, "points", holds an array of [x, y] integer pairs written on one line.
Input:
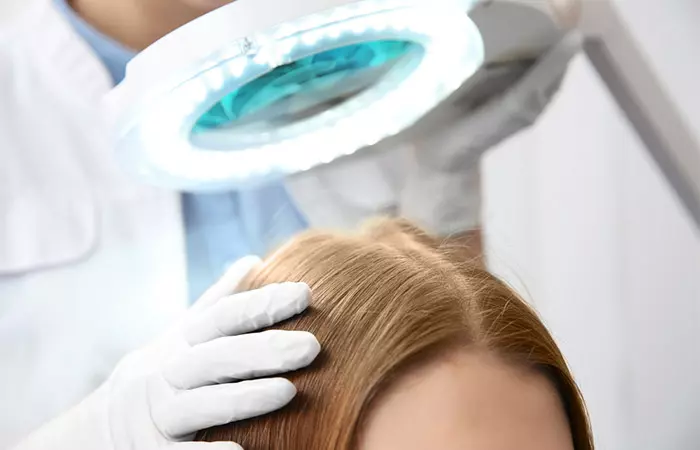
{"points": [[219, 227]]}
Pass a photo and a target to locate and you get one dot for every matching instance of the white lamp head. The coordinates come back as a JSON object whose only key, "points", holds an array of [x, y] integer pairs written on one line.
{"points": [[261, 89]]}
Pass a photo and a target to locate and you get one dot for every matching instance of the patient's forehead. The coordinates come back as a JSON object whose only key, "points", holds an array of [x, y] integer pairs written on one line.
{"points": [[472, 401]]}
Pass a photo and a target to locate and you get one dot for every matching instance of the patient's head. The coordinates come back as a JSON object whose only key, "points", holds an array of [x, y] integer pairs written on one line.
{"points": [[420, 351]]}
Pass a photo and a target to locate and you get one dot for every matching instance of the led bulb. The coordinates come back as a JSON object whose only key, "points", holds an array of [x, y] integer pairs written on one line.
{"points": [[236, 67], [310, 39], [215, 79]]}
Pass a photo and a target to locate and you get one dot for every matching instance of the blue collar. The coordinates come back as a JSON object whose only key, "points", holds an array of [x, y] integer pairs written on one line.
{"points": [[114, 55]]}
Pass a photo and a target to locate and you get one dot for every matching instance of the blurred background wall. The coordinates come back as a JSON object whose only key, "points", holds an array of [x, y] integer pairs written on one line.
{"points": [[579, 218]]}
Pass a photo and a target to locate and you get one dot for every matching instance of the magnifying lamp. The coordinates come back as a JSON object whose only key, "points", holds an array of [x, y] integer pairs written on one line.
{"points": [[261, 89]]}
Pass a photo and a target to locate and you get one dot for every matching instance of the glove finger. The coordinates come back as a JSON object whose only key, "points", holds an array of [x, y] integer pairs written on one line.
{"points": [[548, 69], [206, 446], [242, 357], [227, 284], [248, 311], [190, 411]]}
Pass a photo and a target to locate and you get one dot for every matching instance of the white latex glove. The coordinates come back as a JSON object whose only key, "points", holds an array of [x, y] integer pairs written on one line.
{"points": [[441, 190], [159, 396]]}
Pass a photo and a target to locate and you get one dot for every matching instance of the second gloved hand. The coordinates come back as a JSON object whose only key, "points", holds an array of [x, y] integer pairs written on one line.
{"points": [[198, 375]]}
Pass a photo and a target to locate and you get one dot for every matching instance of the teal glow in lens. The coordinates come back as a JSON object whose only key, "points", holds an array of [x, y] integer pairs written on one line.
{"points": [[300, 89]]}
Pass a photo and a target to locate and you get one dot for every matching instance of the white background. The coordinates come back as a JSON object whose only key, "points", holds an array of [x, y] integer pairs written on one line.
{"points": [[580, 220]]}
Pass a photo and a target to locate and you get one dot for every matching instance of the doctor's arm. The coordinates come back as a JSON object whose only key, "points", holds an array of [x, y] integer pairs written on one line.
{"points": [[447, 202], [442, 188], [190, 379]]}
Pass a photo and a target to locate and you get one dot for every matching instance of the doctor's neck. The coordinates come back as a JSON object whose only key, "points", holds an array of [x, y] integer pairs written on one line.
{"points": [[138, 23]]}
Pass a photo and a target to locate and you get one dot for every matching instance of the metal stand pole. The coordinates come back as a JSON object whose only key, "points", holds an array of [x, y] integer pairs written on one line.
{"points": [[639, 94]]}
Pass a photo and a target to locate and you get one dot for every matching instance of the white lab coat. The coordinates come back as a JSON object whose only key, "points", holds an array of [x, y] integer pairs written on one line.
{"points": [[92, 262]]}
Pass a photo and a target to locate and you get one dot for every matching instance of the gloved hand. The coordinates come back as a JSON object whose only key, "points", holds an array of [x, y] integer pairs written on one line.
{"points": [[442, 188], [158, 397]]}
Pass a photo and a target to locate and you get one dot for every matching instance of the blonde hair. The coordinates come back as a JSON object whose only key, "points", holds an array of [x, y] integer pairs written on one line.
{"points": [[385, 301]]}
